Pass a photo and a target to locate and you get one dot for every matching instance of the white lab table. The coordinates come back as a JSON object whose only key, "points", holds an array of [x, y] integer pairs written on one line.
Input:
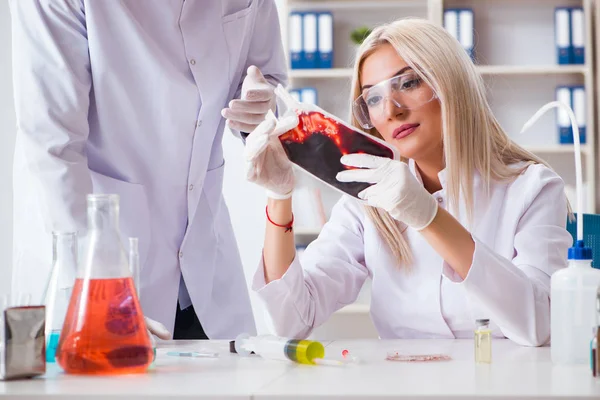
{"points": [[515, 373]]}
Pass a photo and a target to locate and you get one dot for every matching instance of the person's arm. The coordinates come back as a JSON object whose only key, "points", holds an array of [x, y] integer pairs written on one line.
{"points": [[451, 240], [279, 248], [52, 81], [302, 294], [254, 95], [266, 47], [515, 292]]}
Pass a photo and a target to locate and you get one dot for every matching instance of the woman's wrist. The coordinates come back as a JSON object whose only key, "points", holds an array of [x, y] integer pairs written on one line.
{"points": [[280, 211]]}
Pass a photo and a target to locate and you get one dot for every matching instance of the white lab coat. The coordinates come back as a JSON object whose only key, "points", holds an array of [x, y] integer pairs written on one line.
{"points": [[520, 240], [125, 97]]}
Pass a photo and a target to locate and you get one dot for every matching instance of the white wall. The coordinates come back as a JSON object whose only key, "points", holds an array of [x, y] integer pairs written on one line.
{"points": [[7, 143]]}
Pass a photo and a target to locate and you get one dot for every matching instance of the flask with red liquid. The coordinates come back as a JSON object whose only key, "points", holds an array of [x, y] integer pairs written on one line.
{"points": [[104, 330]]}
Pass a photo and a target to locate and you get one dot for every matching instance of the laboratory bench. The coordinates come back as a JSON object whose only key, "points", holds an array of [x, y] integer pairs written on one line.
{"points": [[515, 373]]}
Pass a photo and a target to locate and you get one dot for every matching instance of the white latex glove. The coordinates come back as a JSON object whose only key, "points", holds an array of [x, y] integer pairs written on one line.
{"points": [[257, 99], [267, 163], [395, 189], [158, 329]]}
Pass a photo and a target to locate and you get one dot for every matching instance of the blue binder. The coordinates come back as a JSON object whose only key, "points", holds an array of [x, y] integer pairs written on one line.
{"points": [[578, 35], [325, 39], [451, 22], [579, 109], [565, 133], [465, 30], [562, 27], [296, 94], [295, 43], [309, 39], [308, 95]]}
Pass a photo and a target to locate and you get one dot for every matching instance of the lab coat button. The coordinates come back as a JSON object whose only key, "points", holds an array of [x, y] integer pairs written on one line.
{"points": [[181, 254], [440, 200], [199, 123], [191, 187], [193, 62]]}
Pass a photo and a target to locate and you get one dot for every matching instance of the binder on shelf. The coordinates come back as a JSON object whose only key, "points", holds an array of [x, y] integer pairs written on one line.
{"points": [[459, 23], [309, 39], [579, 109], [565, 133], [562, 27], [296, 94], [451, 22], [325, 39], [308, 95], [295, 40], [465, 30], [578, 36]]}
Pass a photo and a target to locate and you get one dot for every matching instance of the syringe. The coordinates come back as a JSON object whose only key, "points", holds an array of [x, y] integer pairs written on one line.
{"points": [[279, 348]]}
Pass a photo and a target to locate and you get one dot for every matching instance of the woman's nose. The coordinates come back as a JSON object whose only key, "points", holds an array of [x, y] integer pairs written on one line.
{"points": [[391, 109]]}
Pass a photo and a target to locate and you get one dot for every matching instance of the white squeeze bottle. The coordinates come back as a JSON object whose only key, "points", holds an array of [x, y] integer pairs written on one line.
{"points": [[573, 289], [573, 307]]}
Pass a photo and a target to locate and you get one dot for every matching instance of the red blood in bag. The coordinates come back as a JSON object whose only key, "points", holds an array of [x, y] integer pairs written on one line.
{"points": [[318, 143]]}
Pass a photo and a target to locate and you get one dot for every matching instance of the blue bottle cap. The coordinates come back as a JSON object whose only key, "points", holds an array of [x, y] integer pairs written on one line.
{"points": [[580, 252]]}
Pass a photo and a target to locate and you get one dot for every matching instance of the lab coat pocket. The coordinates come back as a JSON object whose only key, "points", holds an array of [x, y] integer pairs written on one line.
{"points": [[134, 213], [237, 28]]}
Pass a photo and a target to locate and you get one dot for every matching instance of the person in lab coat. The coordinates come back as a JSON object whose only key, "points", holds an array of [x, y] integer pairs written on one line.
{"points": [[126, 97], [470, 226]]}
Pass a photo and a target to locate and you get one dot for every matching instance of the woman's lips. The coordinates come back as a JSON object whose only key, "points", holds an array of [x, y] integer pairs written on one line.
{"points": [[404, 130]]}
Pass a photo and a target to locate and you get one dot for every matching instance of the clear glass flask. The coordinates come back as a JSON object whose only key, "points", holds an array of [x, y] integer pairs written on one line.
{"points": [[104, 330], [483, 341], [59, 287]]}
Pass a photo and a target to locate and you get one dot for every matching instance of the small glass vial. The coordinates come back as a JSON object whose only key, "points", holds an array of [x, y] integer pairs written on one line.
{"points": [[483, 341]]}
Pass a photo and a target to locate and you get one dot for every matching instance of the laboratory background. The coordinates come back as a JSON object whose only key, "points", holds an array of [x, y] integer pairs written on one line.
{"points": [[529, 52], [513, 42]]}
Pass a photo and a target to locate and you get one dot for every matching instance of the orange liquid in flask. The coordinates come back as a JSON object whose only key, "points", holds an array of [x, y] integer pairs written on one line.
{"points": [[104, 331]]}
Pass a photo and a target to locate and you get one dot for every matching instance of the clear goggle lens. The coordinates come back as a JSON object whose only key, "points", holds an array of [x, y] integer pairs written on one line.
{"points": [[406, 91]]}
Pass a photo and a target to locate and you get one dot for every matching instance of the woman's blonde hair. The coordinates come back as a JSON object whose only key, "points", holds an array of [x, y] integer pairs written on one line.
{"points": [[473, 139]]}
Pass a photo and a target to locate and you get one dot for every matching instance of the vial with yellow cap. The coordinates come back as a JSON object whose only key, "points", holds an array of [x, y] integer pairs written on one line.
{"points": [[279, 348]]}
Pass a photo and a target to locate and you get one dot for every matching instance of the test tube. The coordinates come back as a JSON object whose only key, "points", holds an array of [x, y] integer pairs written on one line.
{"points": [[279, 348]]}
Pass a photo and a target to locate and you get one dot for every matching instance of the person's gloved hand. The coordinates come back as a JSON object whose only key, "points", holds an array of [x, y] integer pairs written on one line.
{"points": [[395, 189], [267, 163], [158, 329], [257, 99]]}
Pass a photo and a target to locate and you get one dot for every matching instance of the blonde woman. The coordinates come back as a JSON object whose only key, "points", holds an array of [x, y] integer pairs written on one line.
{"points": [[471, 226]]}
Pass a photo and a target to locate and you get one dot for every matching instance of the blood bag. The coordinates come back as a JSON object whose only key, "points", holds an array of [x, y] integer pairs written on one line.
{"points": [[320, 139]]}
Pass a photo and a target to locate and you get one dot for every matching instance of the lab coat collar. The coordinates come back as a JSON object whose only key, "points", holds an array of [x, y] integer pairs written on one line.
{"points": [[442, 175]]}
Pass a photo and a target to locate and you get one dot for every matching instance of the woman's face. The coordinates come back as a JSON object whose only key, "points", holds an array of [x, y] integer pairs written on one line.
{"points": [[416, 131]]}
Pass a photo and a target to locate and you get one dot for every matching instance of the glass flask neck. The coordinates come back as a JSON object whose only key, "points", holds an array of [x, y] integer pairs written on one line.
{"points": [[103, 212], [104, 255], [64, 247]]}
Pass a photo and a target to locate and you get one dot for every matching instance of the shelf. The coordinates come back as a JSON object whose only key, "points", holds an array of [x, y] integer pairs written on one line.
{"points": [[557, 149], [531, 69], [355, 308], [321, 73], [483, 69], [355, 4]]}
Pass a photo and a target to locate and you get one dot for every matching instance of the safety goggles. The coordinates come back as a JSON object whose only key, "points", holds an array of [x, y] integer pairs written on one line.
{"points": [[406, 91]]}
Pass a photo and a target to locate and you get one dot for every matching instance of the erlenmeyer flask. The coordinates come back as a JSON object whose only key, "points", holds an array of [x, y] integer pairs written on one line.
{"points": [[104, 330], [59, 287]]}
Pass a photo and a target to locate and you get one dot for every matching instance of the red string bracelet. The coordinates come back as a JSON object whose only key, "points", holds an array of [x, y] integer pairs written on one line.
{"points": [[288, 226]]}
